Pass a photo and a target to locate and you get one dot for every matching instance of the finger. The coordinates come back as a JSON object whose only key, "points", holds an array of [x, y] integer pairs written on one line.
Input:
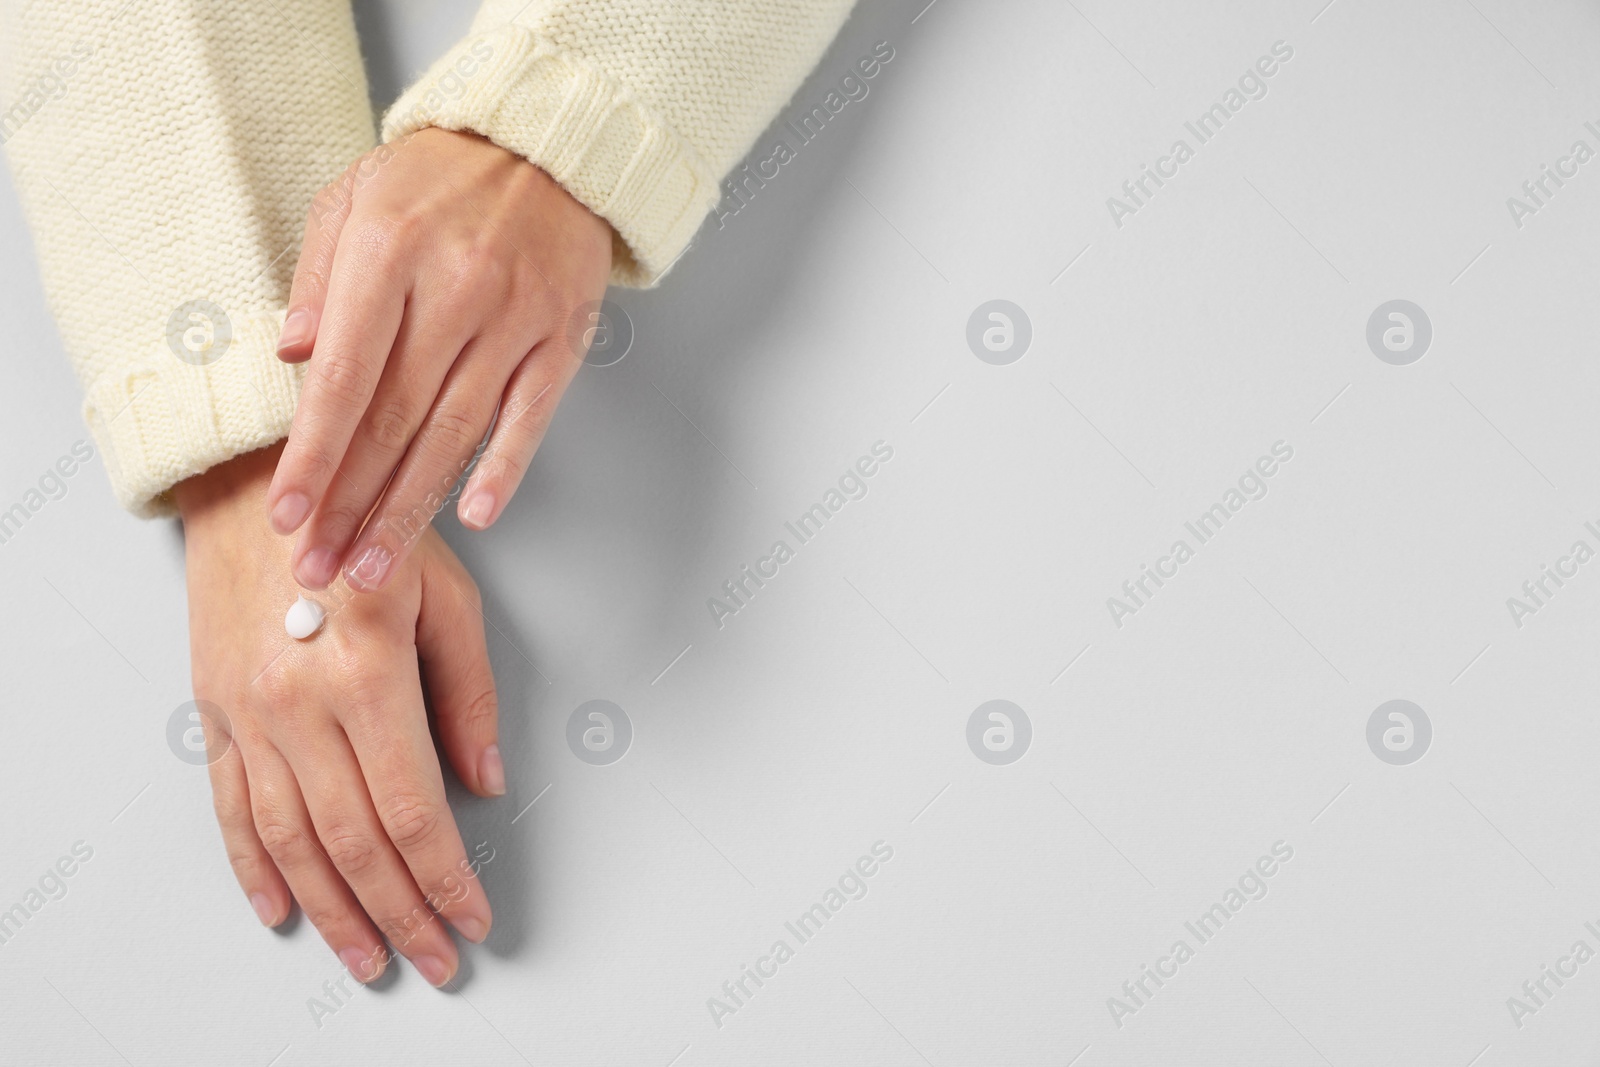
{"points": [[309, 291], [439, 455], [406, 390], [455, 660], [347, 825], [366, 302], [389, 734], [529, 404], [258, 875], [285, 830]]}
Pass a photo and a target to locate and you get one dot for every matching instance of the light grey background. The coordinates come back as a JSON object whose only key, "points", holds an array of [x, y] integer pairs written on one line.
{"points": [[830, 713]]}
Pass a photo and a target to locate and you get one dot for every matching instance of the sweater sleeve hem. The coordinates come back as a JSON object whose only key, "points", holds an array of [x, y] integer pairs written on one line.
{"points": [[162, 419], [587, 131]]}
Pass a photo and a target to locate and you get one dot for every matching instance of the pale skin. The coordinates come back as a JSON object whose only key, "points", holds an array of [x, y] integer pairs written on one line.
{"points": [[439, 278], [329, 787]]}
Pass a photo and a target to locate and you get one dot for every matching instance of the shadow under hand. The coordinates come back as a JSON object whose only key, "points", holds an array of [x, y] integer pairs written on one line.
{"points": [[602, 551]]}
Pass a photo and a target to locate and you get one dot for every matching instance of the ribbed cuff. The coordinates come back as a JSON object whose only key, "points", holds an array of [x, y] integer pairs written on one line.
{"points": [[159, 420], [586, 131]]}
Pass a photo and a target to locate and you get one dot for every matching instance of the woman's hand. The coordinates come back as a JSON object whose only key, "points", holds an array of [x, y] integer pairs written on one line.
{"points": [[439, 278], [329, 786]]}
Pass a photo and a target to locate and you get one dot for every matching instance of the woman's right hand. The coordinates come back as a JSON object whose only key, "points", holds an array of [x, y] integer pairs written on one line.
{"points": [[323, 771]]}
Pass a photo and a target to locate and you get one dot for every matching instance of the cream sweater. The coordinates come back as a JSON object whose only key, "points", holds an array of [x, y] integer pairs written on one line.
{"points": [[166, 153]]}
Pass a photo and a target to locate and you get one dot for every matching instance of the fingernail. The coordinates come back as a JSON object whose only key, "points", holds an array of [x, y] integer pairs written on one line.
{"points": [[432, 969], [316, 568], [290, 511], [296, 329], [472, 928], [492, 771], [265, 911], [479, 509], [362, 967], [370, 569]]}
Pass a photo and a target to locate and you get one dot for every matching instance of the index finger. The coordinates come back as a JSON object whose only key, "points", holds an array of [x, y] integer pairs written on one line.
{"points": [[366, 302], [324, 222]]}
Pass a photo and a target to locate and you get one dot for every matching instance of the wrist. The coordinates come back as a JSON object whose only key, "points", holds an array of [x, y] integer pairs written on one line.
{"points": [[237, 485]]}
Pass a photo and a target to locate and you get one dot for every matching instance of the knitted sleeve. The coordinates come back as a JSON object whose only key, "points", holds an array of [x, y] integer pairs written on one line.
{"points": [[166, 152], [637, 107]]}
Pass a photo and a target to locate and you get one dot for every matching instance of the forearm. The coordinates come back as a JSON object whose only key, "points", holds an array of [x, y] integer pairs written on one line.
{"points": [[165, 153]]}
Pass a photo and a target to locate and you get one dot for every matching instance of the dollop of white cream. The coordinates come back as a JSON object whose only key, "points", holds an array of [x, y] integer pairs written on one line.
{"points": [[304, 618]]}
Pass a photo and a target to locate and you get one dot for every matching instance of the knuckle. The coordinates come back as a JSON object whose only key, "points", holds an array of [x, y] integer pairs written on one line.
{"points": [[246, 864], [231, 809], [280, 837], [343, 380], [488, 264], [532, 284], [280, 683], [360, 687], [477, 270], [341, 518], [410, 821], [458, 267], [390, 424], [532, 404], [480, 710], [382, 238], [358, 662], [313, 464], [453, 430], [352, 850]]}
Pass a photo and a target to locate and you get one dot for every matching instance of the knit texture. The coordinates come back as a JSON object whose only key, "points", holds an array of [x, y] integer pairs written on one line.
{"points": [[637, 108], [166, 153]]}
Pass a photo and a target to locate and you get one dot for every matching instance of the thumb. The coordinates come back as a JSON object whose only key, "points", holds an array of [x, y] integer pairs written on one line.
{"points": [[455, 662], [324, 222]]}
